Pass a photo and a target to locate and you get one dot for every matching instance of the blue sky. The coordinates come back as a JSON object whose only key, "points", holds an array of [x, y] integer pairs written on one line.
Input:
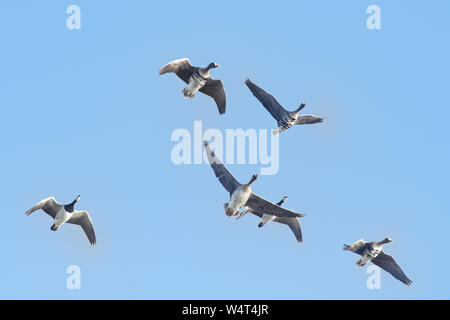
{"points": [[85, 112]]}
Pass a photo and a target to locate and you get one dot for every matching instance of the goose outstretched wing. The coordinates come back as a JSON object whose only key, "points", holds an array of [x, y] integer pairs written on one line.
{"points": [[49, 206], [247, 209], [82, 219], [268, 101], [181, 67], [215, 89], [358, 247], [256, 203], [387, 263], [294, 225], [225, 177], [308, 119]]}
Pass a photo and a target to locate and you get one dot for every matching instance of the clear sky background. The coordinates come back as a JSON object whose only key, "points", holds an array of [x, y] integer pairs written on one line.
{"points": [[85, 112]]}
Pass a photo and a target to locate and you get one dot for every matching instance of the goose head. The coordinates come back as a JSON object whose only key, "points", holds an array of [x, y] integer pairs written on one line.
{"points": [[385, 240], [70, 207], [77, 198], [212, 65], [301, 107], [252, 179], [282, 201], [295, 113]]}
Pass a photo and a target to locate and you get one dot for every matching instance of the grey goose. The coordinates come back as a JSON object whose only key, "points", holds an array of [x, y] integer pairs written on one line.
{"points": [[241, 194], [372, 251], [198, 79], [66, 213], [291, 222], [285, 119]]}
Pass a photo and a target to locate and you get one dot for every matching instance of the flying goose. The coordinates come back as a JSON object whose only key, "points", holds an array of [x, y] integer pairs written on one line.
{"points": [[372, 251], [241, 194], [291, 222], [285, 119], [66, 213], [198, 79]]}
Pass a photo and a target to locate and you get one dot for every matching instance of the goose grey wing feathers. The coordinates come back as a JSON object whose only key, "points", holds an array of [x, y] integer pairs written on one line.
{"points": [[387, 263], [294, 225], [308, 119], [82, 219], [181, 67], [50, 206], [358, 247], [255, 212], [268, 101], [225, 177], [263, 206], [215, 89]]}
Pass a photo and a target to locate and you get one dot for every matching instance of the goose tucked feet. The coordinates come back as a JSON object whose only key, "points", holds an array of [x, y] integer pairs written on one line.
{"points": [[228, 212], [188, 93]]}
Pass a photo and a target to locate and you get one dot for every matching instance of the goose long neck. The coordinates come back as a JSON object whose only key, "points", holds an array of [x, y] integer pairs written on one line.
{"points": [[75, 201], [211, 66], [384, 241], [281, 201], [301, 107], [253, 178]]}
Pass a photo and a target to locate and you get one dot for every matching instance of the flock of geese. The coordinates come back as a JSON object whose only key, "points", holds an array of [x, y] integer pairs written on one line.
{"points": [[241, 195]]}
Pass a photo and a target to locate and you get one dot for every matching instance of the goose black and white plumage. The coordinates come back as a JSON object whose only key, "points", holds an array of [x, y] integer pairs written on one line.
{"points": [[198, 79], [241, 194], [372, 251], [291, 222], [285, 119], [66, 213]]}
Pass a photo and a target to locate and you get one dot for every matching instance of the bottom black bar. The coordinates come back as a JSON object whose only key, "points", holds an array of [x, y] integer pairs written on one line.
{"points": [[216, 309]]}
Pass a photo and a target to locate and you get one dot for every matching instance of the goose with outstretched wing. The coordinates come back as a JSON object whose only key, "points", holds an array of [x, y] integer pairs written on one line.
{"points": [[198, 79], [241, 194], [285, 119], [372, 251], [66, 213], [291, 222]]}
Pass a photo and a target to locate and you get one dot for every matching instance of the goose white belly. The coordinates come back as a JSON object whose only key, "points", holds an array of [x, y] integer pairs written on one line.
{"points": [[370, 253], [266, 218], [62, 217], [195, 84], [285, 124], [238, 199]]}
